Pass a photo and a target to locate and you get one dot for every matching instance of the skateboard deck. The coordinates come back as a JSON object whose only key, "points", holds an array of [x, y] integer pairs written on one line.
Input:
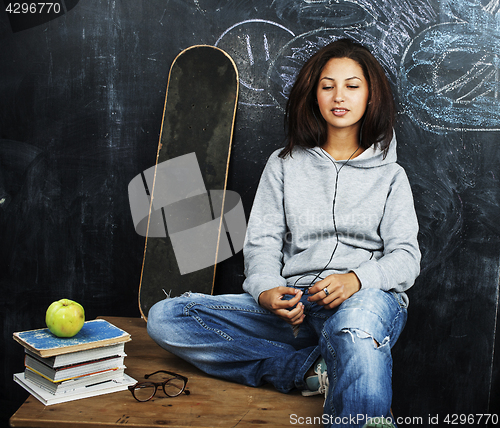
{"points": [[192, 159]]}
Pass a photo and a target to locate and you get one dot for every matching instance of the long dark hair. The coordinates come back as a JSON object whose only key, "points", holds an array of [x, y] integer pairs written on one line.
{"points": [[304, 124]]}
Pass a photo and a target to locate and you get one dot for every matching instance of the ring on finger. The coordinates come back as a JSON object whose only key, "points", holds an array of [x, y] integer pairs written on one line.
{"points": [[326, 291]]}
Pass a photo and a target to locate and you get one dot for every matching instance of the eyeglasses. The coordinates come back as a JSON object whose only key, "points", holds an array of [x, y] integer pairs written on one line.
{"points": [[172, 387]]}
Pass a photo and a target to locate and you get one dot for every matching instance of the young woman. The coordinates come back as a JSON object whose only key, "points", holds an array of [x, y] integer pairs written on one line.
{"points": [[331, 247]]}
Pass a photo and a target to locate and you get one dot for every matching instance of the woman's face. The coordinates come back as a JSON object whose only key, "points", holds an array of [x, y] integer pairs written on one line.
{"points": [[342, 94]]}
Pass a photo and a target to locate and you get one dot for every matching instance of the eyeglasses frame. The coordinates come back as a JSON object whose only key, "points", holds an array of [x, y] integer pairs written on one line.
{"points": [[160, 384]]}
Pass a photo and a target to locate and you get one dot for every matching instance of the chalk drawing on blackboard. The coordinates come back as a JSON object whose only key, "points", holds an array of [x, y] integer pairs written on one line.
{"points": [[309, 14], [450, 78], [283, 71], [478, 12], [493, 7], [393, 22], [252, 44]]}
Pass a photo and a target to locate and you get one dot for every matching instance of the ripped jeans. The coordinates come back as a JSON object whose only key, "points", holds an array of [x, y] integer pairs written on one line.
{"points": [[233, 338]]}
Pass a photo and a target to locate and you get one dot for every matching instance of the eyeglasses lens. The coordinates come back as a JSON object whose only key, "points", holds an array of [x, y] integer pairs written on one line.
{"points": [[173, 387], [144, 391]]}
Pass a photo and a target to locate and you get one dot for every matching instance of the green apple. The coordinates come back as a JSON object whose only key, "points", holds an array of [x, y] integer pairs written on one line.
{"points": [[65, 318]]}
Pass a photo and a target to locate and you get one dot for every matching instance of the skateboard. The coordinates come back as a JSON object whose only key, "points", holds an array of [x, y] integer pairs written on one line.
{"points": [[192, 159]]}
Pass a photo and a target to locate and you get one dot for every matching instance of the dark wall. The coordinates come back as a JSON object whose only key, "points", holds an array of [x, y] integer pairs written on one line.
{"points": [[81, 105]]}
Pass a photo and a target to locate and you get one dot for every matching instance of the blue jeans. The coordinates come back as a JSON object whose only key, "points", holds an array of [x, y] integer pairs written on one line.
{"points": [[233, 338]]}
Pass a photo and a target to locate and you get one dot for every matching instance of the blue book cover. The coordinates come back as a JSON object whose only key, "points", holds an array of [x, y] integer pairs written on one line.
{"points": [[94, 334]]}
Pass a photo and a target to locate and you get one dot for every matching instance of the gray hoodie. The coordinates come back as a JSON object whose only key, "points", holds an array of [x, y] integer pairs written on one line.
{"points": [[310, 206]]}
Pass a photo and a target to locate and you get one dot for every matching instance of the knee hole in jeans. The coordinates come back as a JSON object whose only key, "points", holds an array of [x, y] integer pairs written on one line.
{"points": [[364, 335]]}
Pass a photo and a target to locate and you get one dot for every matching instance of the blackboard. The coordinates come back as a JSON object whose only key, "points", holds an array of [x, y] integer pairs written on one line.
{"points": [[82, 96]]}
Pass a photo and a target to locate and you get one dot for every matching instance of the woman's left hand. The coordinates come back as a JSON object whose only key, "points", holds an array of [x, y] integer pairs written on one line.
{"points": [[339, 288]]}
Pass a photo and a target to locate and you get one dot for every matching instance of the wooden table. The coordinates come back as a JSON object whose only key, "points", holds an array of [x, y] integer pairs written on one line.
{"points": [[212, 402]]}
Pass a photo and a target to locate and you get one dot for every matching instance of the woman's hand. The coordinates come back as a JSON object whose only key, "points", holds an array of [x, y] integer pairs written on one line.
{"points": [[291, 311], [339, 288]]}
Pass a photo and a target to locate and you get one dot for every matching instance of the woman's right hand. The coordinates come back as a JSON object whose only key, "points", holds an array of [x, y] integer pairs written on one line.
{"points": [[291, 311]]}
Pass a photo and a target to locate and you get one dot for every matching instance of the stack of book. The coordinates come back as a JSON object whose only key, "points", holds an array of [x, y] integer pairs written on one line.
{"points": [[65, 369]]}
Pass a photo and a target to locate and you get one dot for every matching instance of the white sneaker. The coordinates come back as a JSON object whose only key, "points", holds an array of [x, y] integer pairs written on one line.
{"points": [[317, 384]]}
